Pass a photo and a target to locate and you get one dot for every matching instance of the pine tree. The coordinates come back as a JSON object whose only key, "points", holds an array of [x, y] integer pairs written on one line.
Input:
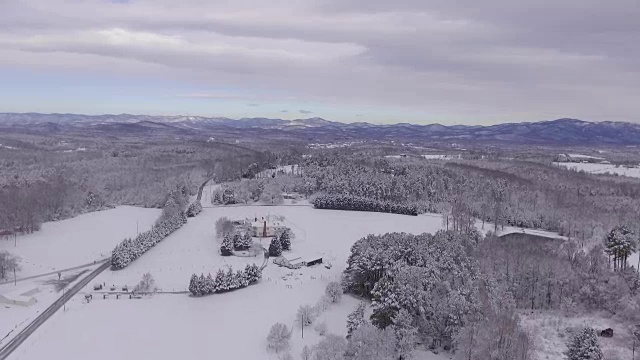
{"points": [[226, 249], [356, 318], [285, 240], [246, 240], [275, 247], [201, 285], [210, 286], [584, 346], [237, 242], [193, 284], [218, 282]]}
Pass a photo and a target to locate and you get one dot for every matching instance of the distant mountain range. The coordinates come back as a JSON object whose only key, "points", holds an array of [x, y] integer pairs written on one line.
{"points": [[554, 132]]}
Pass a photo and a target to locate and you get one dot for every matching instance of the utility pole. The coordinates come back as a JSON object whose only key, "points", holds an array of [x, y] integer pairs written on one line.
{"points": [[64, 303], [15, 281], [634, 350], [302, 323]]}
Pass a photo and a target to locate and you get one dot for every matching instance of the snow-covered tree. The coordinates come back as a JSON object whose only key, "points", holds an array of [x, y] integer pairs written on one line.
{"points": [[334, 291], [8, 263], [306, 315], [275, 247], [331, 347], [285, 239], [306, 353], [272, 193], [226, 249], [356, 318], [193, 284], [371, 343], [620, 243], [278, 337], [584, 346], [406, 334], [146, 284]]}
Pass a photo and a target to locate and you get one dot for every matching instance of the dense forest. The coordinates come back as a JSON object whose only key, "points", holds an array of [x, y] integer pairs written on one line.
{"points": [[40, 182]]}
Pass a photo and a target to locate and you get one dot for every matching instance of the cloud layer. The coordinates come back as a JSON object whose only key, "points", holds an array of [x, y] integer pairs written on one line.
{"points": [[428, 60]]}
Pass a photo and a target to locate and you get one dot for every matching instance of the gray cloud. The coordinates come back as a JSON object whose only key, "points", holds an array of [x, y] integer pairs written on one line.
{"points": [[306, 112], [284, 111], [504, 60]]}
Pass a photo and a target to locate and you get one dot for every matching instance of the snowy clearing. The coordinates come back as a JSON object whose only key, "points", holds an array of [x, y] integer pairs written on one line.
{"points": [[79, 240], [553, 329], [601, 169], [235, 324]]}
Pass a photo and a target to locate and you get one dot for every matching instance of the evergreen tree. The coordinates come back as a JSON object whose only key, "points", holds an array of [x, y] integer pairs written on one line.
{"points": [[218, 282], [209, 285], [356, 318], [237, 242], [285, 240], [275, 247], [193, 283], [584, 346], [246, 240], [230, 279], [620, 243], [201, 284], [226, 249]]}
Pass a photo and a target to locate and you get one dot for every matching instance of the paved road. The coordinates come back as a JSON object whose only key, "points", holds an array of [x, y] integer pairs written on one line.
{"points": [[13, 344], [54, 272]]}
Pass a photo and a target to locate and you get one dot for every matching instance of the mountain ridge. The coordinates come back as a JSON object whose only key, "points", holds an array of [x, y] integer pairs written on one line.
{"points": [[558, 131]]}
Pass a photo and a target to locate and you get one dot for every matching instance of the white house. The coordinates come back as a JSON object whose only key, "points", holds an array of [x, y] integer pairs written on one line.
{"points": [[266, 226]]}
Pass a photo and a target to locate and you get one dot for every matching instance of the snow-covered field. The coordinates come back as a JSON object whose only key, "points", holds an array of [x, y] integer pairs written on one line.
{"points": [[13, 318], [60, 245], [232, 325], [552, 330], [79, 240], [601, 168]]}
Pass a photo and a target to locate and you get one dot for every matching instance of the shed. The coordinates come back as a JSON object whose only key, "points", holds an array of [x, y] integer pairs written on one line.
{"points": [[22, 297]]}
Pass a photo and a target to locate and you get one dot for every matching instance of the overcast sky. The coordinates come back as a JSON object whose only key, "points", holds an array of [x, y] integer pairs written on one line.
{"points": [[382, 61]]}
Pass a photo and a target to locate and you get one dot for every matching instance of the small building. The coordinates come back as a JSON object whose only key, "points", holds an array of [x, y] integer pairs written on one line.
{"points": [[22, 297], [296, 260]]}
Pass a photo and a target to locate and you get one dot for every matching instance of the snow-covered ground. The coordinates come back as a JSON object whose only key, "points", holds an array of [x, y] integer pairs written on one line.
{"points": [[552, 330], [232, 325], [79, 240], [601, 168]]}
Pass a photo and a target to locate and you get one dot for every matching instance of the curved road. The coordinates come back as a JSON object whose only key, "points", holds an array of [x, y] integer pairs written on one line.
{"points": [[13, 344]]}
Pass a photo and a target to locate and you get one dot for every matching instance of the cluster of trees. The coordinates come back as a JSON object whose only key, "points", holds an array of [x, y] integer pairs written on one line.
{"points": [[432, 286], [8, 263], [279, 243], [433, 277], [41, 182], [620, 243], [268, 191], [235, 241], [505, 192], [130, 249], [224, 281], [356, 203]]}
